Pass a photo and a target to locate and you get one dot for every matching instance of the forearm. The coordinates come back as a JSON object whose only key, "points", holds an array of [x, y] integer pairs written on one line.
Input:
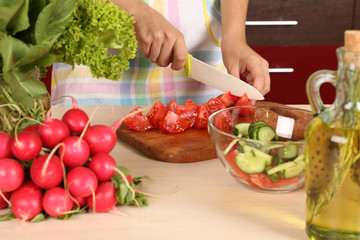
{"points": [[131, 6], [233, 17]]}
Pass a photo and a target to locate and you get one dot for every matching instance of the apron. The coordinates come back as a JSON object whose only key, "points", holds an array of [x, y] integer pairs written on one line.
{"points": [[144, 82]]}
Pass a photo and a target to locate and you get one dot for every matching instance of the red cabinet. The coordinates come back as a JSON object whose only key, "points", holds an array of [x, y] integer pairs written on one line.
{"points": [[302, 35]]}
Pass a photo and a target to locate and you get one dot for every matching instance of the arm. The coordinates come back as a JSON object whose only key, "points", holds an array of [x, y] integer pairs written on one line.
{"points": [[159, 40], [238, 57]]}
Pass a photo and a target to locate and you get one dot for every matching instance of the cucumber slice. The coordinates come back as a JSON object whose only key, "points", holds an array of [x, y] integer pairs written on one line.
{"points": [[249, 164], [286, 165], [293, 171], [280, 167], [258, 154], [289, 151], [265, 133], [254, 127], [241, 128]]}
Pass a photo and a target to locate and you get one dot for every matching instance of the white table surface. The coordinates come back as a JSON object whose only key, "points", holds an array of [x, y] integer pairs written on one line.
{"points": [[208, 204]]}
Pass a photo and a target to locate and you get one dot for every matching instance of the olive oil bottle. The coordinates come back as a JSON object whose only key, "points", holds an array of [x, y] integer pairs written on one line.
{"points": [[333, 149]]}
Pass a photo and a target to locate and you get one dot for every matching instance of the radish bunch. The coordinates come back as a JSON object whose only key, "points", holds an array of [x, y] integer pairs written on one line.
{"points": [[62, 167]]}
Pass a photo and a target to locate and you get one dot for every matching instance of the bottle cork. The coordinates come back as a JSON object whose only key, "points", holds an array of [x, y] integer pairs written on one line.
{"points": [[352, 48]]}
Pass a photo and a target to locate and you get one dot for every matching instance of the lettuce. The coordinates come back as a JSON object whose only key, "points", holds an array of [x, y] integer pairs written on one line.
{"points": [[36, 33]]}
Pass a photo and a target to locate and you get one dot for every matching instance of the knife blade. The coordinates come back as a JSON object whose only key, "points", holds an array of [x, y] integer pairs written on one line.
{"points": [[218, 79]]}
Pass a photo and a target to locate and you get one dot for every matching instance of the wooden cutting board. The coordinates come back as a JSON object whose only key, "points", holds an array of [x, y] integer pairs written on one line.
{"points": [[192, 145]]}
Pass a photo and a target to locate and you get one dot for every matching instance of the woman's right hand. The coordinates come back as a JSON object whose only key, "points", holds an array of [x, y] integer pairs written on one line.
{"points": [[158, 39]]}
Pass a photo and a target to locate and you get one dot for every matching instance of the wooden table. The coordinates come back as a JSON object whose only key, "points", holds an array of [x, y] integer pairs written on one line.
{"points": [[208, 204]]}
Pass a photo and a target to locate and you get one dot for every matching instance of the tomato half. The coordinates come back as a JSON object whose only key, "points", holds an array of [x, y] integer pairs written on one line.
{"points": [[215, 104], [156, 114], [172, 123], [201, 120], [244, 101], [138, 122], [228, 99]]}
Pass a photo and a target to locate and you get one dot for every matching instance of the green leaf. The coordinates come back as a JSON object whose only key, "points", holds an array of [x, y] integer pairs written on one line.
{"points": [[35, 54], [35, 7], [24, 88], [12, 50], [38, 218], [8, 9], [20, 21], [7, 216], [53, 20]]}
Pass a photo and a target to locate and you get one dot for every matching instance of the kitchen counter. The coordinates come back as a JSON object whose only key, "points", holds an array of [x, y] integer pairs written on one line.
{"points": [[205, 203]]}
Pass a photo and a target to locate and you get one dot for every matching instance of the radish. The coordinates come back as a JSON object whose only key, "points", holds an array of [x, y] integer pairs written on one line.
{"points": [[81, 181], [5, 145], [79, 202], [75, 118], [32, 128], [56, 202], [11, 174], [47, 171], [53, 131], [105, 198], [76, 151], [102, 138], [103, 165], [26, 146], [4, 199], [26, 201]]}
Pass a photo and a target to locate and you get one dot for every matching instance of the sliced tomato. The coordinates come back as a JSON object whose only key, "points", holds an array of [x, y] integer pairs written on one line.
{"points": [[222, 121], [172, 123], [285, 181], [260, 180], [230, 158], [201, 120], [215, 104], [244, 101], [156, 114], [188, 113], [138, 122], [228, 99], [172, 106]]}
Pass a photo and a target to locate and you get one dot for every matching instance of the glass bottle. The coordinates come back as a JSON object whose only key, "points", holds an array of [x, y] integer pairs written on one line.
{"points": [[333, 149]]}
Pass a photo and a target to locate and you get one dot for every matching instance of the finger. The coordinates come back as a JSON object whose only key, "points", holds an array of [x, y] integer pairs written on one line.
{"points": [[180, 54], [155, 51], [234, 70], [165, 54]]}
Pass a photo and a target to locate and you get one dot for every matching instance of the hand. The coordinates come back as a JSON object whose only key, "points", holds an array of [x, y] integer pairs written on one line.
{"points": [[159, 40], [241, 60]]}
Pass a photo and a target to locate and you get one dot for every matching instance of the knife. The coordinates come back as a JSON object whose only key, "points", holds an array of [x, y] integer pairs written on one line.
{"points": [[218, 79]]}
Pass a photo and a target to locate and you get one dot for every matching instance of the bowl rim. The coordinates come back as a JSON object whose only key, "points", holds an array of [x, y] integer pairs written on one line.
{"points": [[211, 126]]}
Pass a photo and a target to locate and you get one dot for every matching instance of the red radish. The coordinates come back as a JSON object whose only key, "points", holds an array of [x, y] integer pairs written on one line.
{"points": [[26, 146], [103, 165], [32, 128], [81, 181], [75, 118], [53, 131], [79, 202], [56, 202], [76, 151], [26, 201], [11, 174], [47, 173], [102, 138], [4, 202], [105, 198], [5, 145]]}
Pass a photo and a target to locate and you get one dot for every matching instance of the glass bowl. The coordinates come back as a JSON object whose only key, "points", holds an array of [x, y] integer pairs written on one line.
{"points": [[262, 146]]}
